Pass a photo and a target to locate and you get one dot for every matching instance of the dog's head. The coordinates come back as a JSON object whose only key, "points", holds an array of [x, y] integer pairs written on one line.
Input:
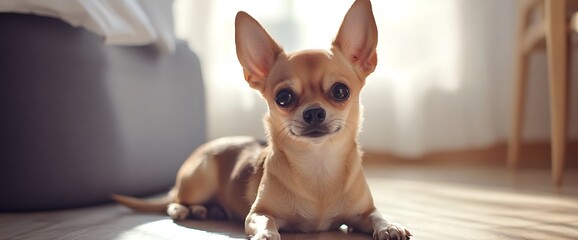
{"points": [[312, 95]]}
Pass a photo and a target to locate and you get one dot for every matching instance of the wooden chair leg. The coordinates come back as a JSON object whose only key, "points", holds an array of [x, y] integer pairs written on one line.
{"points": [[556, 45], [519, 110], [519, 88]]}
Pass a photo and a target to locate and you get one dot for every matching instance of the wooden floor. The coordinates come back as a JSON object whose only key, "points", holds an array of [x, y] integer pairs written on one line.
{"points": [[482, 202], [472, 194], [467, 196]]}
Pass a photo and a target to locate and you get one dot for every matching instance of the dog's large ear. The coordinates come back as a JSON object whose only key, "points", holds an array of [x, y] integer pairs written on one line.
{"points": [[256, 50], [357, 37]]}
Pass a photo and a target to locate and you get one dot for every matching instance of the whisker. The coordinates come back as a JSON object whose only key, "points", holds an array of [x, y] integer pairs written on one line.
{"points": [[287, 124]]}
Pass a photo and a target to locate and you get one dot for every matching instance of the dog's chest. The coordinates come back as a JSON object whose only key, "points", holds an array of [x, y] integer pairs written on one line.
{"points": [[318, 198], [311, 216], [318, 166]]}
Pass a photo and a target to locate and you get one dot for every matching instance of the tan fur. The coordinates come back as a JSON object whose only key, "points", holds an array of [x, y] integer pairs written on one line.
{"points": [[296, 182]]}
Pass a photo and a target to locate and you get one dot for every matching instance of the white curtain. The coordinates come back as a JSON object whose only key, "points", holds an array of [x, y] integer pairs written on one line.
{"points": [[443, 81]]}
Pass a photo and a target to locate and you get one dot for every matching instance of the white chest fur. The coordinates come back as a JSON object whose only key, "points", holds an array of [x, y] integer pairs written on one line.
{"points": [[322, 163], [322, 173]]}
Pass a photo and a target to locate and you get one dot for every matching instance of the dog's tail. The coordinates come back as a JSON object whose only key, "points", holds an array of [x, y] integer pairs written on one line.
{"points": [[157, 205]]}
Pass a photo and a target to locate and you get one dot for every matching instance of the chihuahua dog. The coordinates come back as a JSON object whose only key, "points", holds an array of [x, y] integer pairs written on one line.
{"points": [[308, 176]]}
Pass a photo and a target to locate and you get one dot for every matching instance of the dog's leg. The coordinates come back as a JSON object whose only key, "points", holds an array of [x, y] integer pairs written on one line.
{"points": [[261, 227], [381, 228], [196, 184]]}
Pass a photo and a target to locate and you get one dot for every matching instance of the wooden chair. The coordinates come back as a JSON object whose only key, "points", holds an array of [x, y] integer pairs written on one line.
{"points": [[553, 23]]}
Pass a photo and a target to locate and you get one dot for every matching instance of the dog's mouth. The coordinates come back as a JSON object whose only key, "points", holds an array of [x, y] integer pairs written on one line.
{"points": [[315, 131]]}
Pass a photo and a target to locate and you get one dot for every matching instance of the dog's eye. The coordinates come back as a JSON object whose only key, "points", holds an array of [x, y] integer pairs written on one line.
{"points": [[284, 98], [340, 92]]}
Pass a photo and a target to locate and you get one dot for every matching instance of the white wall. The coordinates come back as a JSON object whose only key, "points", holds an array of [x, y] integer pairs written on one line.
{"points": [[443, 82]]}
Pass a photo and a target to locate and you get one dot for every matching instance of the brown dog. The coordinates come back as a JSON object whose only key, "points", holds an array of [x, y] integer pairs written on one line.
{"points": [[308, 176]]}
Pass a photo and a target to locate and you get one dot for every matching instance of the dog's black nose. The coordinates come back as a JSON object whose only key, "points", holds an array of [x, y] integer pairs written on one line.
{"points": [[314, 115]]}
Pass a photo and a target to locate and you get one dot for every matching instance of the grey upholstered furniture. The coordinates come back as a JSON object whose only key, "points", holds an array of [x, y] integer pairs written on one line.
{"points": [[80, 120]]}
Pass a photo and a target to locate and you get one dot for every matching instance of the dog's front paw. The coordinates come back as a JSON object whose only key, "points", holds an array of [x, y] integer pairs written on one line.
{"points": [[267, 235], [391, 232]]}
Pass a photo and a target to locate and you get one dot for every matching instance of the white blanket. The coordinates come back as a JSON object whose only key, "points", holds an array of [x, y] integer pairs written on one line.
{"points": [[120, 22]]}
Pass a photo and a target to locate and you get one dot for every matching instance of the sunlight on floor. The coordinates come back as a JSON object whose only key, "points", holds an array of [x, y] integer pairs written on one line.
{"points": [[167, 229]]}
